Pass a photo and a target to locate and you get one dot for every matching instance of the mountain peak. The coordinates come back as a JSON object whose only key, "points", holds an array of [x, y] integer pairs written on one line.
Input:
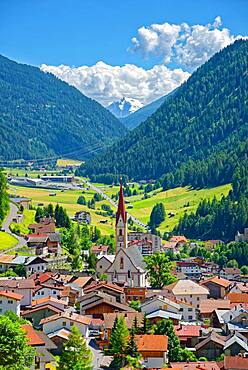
{"points": [[125, 106]]}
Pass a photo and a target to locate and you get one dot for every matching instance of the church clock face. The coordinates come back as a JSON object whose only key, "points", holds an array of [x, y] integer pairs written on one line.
{"points": [[120, 238]]}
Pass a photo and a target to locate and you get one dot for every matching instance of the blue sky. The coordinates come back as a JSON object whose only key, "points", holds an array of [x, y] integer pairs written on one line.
{"points": [[84, 32]]}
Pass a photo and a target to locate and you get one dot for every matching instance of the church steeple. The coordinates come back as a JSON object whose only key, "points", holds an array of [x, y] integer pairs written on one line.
{"points": [[121, 222]]}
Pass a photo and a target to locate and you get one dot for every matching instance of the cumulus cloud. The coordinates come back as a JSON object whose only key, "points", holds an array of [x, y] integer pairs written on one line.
{"points": [[189, 46], [106, 83]]}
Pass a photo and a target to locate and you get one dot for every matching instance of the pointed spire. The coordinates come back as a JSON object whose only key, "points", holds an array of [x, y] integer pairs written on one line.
{"points": [[121, 211]]}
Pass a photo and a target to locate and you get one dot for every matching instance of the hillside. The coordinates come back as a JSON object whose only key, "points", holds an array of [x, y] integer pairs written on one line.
{"points": [[198, 134], [46, 116], [140, 115]]}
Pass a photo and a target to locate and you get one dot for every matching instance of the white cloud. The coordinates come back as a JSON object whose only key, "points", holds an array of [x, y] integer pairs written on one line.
{"points": [[106, 83], [188, 46]]}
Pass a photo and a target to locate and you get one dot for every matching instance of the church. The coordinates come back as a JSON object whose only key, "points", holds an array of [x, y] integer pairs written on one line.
{"points": [[128, 266]]}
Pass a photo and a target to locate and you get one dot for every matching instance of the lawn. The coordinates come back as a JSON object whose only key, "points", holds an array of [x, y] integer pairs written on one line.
{"points": [[7, 241], [68, 200], [177, 201]]}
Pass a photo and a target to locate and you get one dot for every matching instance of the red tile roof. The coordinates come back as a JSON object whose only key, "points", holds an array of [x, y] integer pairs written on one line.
{"points": [[199, 365], [121, 210], [178, 239], [207, 306], [67, 315], [8, 294], [188, 330], [218, 281], [33, 338], [152, 342], [96, 285], [40, 308], [41, 301], [100, 248], [238, 297], [235, 362]]}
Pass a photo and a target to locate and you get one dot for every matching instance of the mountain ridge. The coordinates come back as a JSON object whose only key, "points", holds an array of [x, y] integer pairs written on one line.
{"points": [[46, 116], [124, 107]]}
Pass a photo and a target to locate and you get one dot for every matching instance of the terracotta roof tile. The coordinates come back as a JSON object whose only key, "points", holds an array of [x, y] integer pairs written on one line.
{"points": [[41, 301], [152, 342], [208, 306], [8, 294], [95, 285], [33, 337], [188, 330], [238, 297], [199, 365], [40, 308], [235, 362], [217, 280], [67, 315]]}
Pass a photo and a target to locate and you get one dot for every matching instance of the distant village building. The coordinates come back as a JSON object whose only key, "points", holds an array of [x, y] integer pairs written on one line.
{"points": [[83, 216], [46, 225], [242, 237], [147, 242], [58, 178]]}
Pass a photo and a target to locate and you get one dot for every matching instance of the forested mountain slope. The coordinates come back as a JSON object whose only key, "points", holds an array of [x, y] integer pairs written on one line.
{"points": [[197, 135], [41, 115]]}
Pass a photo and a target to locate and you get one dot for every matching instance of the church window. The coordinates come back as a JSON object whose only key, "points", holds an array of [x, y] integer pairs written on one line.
{"points": [[120, 232], [122, 263], [129, 274]]}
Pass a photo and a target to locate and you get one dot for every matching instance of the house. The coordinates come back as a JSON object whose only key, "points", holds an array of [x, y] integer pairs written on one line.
{"points": [[128, 267], [230, 273], [109, 288], [83, 216], [179, 239], [188, 335], [45, 243], [80, 283], [100, 250], [239, 288], [217, 286], [104, 262], [188, 291], [37, 313], [57, 303], [60, 178], [235, 363], [155, 240], [236, 320], [42, 345], [46, 225], [135, 293], [59, 338], [211, 346], [159, 303], [242, 237], [236, 344], [236, 298], [144, 246], [131, 319], [158, 315], [10, 301], [191, 269], [208, 306], [5, 262], [65, 320], [31, 264], [48, 290], [198, 365], [188, 311], [22, 286], [21, 202], [153, 349], [98, 303]]}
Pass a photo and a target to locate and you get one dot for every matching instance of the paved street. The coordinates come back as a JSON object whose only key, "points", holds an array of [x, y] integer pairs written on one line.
{"points": [[97, 354]]}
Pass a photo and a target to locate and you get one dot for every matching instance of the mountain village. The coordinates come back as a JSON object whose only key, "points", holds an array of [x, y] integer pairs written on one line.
{"points": [[206, 306]]}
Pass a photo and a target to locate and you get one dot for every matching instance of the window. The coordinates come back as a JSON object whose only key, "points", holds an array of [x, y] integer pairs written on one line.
{"points": [[190, 309], [129, 274], [1, 302], [38, 293], [190, 317], [38, 268], [181, 309], [10, 301], [198, 298], [42, 293], [63, 323], [1, 310], [100, 266], [121, 263], [71, 323], [54, 292], [190, 295], [120, 232]]}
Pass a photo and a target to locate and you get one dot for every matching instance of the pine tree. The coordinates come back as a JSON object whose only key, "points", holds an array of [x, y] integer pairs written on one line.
{"points": [[132, 349], [75, 353], [119, 338]]}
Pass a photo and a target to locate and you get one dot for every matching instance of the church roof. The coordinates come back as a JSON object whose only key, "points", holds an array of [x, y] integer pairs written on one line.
{"points": [[121, 211], [136, 257]]}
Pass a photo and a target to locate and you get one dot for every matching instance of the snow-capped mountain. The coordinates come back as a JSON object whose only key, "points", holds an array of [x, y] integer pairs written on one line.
{"points": [[123, 107]]}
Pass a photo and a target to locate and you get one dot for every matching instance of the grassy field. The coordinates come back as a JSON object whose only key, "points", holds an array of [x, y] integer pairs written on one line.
{"points": [[177, 201], [63, 162], [68, 200], [7, 241], [28, 218]]}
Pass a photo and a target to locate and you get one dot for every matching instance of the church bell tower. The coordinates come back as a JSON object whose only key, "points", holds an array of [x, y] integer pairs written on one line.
{"points": [[121, 223]]}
